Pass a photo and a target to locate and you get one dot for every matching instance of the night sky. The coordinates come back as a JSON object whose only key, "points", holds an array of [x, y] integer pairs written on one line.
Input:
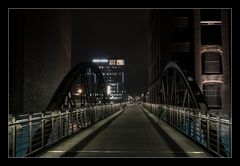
{"points": [[115, 33]]}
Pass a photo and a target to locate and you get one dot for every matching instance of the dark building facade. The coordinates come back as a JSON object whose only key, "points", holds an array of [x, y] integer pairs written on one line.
{"points": [[171, 39], [39, 57], [199, 41], [113, 71], [213, 56]]}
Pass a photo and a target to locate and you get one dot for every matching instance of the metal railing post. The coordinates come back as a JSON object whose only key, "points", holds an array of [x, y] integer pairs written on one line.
{"points": [[218, 133], [72, 121], [77, 118], [230, 136], [189, 125], [43, 130], [97, 113], [112, 107], [60, 126], [177, 110], [30, 133], [199, 128], [14, 137], [52, 121], [91, 115], [208, 134], [184, 120], [67, 123]]}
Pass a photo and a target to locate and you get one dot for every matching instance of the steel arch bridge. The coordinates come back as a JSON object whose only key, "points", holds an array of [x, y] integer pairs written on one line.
{"points": [[183, 106], [88, 78], [179, 98], [85, 77], [177, 87]]}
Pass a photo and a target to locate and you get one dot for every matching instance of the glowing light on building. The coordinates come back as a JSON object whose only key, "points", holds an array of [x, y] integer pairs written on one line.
{"points": [[120, 62], [100, 60], [212, 81], [112, 62], [211, 22], [117, 62], [108, 90], [113, 73]]}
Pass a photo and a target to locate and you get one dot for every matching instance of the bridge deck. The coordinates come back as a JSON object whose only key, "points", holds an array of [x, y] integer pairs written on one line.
{"points": [[133, 134]]}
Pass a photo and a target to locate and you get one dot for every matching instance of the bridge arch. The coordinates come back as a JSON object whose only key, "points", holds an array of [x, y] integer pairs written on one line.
{"points": [[89, 74], [178, 87], [91, 80]]}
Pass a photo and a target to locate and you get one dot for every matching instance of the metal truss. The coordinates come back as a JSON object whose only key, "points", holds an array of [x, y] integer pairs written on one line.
{"points": [[93, 91], [178, 88]]}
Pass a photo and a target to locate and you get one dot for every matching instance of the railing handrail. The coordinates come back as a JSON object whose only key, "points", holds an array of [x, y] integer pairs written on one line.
{"points": [[70, 122], [192, 109], [212, 132]]}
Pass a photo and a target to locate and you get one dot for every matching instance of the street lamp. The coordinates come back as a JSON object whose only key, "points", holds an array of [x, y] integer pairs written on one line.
{"points": [[79, 91]]}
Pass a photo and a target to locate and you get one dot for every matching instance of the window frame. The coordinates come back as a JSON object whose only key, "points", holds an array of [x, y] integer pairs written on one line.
{"points": [[205, 29], [203, 57], [219, 92]]}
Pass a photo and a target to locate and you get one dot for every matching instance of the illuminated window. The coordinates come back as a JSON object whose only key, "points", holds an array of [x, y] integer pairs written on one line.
{"points": [[120, 62], [211, 63], [112, 62], [212, 92]]}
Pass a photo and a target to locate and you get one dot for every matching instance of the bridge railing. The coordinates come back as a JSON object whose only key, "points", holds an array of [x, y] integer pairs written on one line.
{"points": [[31, 133], [212, 131]]}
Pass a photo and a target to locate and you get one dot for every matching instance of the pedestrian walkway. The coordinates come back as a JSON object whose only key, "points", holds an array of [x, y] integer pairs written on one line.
{"points": [[134, 134]]}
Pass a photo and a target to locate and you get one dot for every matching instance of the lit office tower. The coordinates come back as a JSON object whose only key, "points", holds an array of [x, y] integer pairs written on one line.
{"points": [[113, 73]]}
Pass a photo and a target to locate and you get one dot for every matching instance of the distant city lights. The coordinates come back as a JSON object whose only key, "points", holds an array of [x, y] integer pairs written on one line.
{"points": [[100, 60], [108, 90], [117, 62], [79, 91], [113, 73]]}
